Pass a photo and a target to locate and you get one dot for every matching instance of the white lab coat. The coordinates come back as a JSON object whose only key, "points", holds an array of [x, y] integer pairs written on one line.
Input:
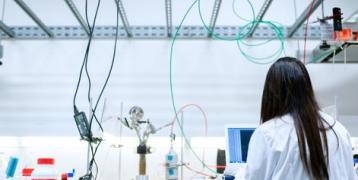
{"points": [[274, 152]]}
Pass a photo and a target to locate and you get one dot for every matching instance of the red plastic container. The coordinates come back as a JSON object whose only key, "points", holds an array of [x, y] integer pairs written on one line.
{"points": [[344, 35]]}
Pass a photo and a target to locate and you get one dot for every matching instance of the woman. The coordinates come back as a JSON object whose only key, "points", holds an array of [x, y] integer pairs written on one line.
{"points": [[296, 141]]}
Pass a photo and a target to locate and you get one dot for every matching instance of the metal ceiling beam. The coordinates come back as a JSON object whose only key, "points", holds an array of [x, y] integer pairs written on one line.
{"points": [[261, 15], [214, 17], [303, 17], [168, 13], [124, 18], [34, 17], [154, 32], [6, 29], [78, 16]]}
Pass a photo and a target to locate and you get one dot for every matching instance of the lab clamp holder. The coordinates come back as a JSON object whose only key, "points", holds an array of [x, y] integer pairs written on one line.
{"points": [[136, 115]]}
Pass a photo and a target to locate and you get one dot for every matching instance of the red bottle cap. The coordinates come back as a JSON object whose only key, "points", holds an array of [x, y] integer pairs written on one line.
{"points": [[46, 161], [64, 177]]}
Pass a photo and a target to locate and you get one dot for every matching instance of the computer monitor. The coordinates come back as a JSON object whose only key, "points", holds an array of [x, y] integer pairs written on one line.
{"points": [[237, 142]]}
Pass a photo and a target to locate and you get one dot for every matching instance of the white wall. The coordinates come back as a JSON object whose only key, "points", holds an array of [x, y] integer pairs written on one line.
{"points": [[37, 84]]}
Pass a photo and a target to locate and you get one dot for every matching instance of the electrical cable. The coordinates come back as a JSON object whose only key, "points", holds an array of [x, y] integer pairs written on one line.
{"points": [[91, 29], [81, 71], [108, 75], [233, 6], [187, 106], [274, 56], [172, 90], [85, 66], [241, 36], [101, 93], [111, 66], [86, 52], [94, 160]]}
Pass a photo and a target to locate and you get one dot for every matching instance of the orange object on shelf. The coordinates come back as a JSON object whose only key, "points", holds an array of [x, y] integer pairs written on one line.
{"points": [[356, 36], [344, 35]]}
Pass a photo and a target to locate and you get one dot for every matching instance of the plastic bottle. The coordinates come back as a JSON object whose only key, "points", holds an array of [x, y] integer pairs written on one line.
{"points": [[45, 170], [171, 171], [11, 167]]}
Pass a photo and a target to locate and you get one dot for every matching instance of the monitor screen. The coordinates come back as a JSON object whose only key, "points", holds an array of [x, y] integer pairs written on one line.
{"points": [[238, 143]]}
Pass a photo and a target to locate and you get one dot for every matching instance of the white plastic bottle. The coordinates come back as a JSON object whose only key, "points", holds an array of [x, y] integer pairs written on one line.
{"points": [[45, 170], [171, 171]]}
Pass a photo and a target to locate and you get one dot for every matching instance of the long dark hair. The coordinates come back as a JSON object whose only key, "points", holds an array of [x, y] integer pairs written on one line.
{"points": [[288, 90]]}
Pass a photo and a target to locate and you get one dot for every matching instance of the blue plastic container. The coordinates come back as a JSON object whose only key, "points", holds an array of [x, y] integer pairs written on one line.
{"points": [[11, 167]]}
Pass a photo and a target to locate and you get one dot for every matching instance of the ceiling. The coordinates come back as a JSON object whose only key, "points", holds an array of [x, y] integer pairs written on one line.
{"points": [[152, 12]]}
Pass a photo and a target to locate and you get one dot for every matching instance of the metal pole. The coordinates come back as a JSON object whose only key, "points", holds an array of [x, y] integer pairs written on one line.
{"points": [[214, 17], [78, 16], [124, 18], [88, 158], [182, 148], [34, 17], [303, 17], [6, 29], [168, 12], [120, 149]]}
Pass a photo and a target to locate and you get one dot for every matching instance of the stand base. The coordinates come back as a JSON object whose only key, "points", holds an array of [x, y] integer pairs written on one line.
{"points": [[142, 177]]}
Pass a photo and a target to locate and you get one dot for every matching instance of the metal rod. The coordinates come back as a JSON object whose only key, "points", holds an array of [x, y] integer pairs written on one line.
{"points": [[322, 9], [182, 148], [34, 17], [303, 17], [78, 16], [214, 17], [6, 29], [120, 141], [124, 18], [168, 13], [260, 16], [88, 158]]}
